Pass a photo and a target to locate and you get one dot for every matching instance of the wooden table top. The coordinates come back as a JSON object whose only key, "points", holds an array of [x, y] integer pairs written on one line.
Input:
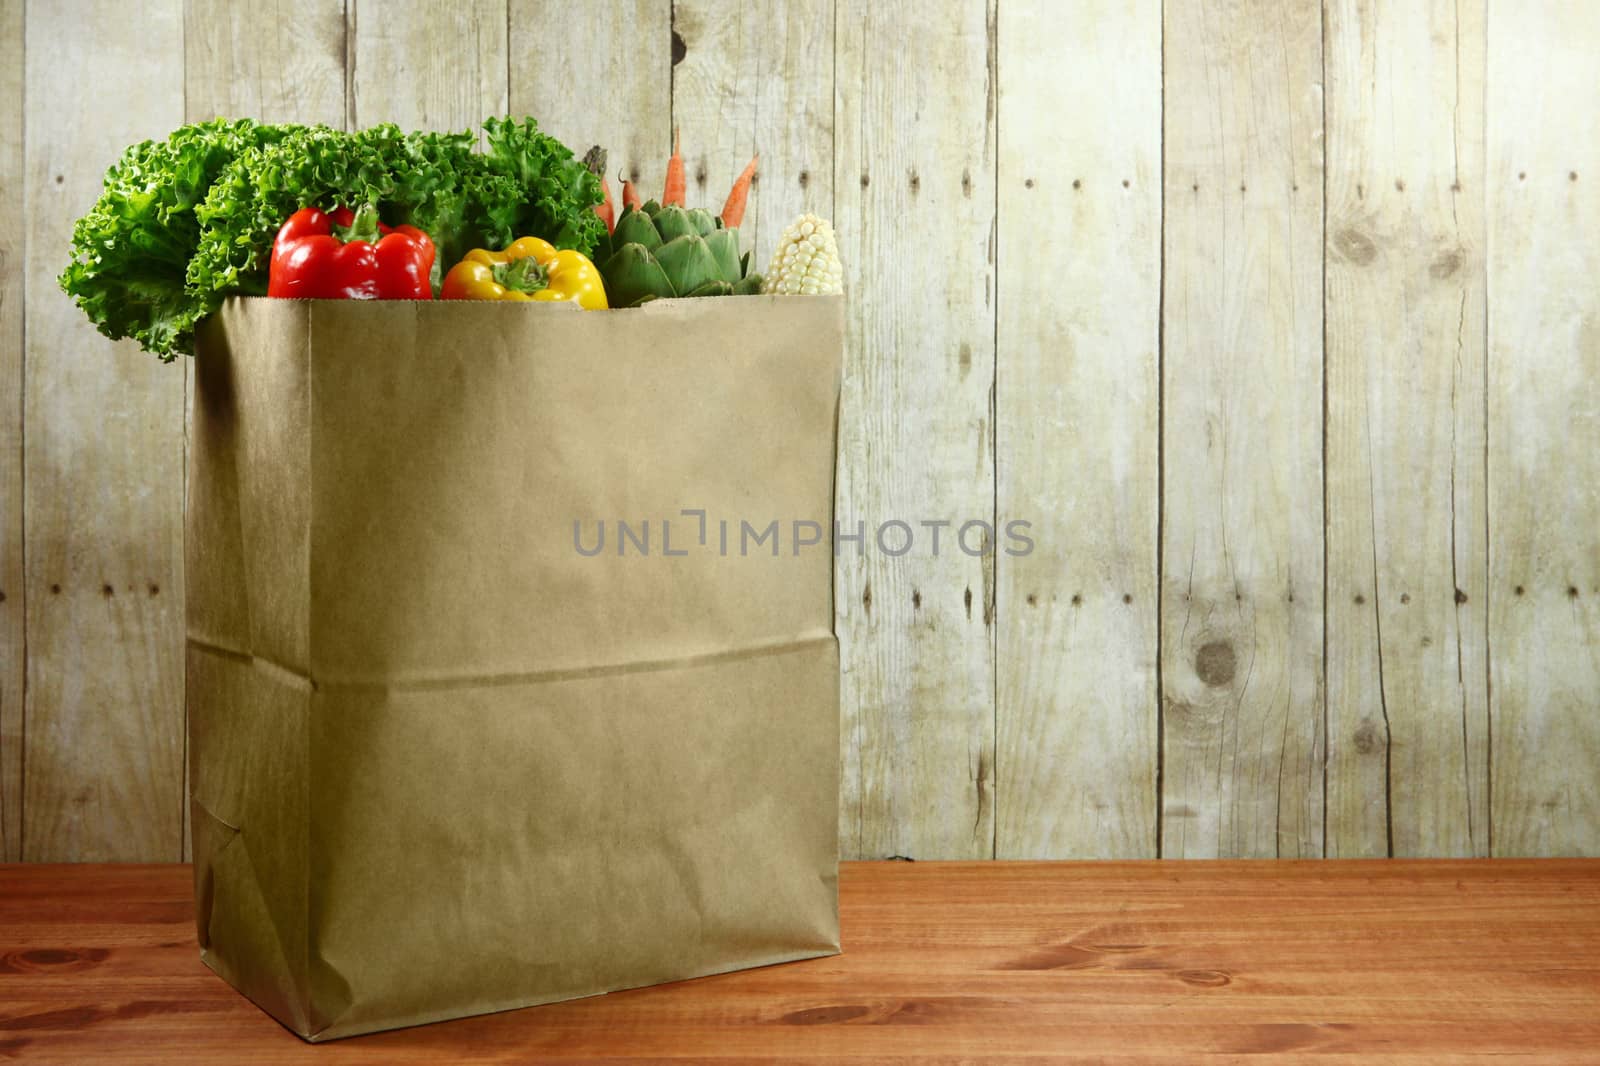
{"points": [[944, 962]]}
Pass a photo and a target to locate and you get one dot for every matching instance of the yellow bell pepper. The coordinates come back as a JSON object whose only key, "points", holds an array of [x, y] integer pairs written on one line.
{"points": [[528, 269]]}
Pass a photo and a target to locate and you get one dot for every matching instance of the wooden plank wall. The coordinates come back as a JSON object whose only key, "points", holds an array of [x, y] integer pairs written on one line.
{"points": [[1241, 425], [102, 734], [1407, 555], [13, 629], [1274, 322], [914, 171], [1078, 376], [1543, 175]]}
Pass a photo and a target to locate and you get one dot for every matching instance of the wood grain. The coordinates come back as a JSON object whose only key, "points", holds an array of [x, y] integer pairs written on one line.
{"points": [[104, 468], [1544, 428], [237, 62], [428, 66], [1340, 961], [1242, 566], [598, 73], [743, 88], [1077, 375], [244, 60], [914, 182], [1407, 556], [1460, 378], [13, 661]]}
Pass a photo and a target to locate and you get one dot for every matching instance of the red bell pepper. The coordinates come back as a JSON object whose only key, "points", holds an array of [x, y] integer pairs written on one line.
{"points": [[349, 255]]}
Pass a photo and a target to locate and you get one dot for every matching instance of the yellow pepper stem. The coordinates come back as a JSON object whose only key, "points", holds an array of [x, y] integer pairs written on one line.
{"points": [[522, 275]]}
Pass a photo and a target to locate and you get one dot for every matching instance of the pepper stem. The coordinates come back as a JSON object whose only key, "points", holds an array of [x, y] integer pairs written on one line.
{"points": [[522, 275], [363, 227]]}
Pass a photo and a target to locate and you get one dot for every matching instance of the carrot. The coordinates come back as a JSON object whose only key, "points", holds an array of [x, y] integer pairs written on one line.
{"points": [[606, 209], [673, 193], [630, 195], [733, 210]]}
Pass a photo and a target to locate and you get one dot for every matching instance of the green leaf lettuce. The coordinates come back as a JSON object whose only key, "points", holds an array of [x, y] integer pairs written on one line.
{"points": [[185, 223]]}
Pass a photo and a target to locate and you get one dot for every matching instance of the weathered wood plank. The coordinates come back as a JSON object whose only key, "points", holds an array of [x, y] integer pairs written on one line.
{"points": [[13, 665], [1077, 409], [238, 64], [757, 77], [1544, 428], [1242, 720], [613, 89], [914, 185], [430, 66], [1407, 558], [103, 466]]}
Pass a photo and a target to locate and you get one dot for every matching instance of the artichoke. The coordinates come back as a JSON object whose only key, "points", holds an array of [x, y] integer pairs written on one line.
{"points": [[657, 252]]}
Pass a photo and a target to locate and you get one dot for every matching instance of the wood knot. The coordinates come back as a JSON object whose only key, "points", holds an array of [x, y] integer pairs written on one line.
{"points": [[1216, 662], [1204, 978], [842, 1012], [52, 960], [1355, 246], [1056, 957], [1444, 266], [1366, 739]]}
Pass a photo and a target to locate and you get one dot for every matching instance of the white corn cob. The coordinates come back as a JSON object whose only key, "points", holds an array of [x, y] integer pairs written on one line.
{"points": [[806, 261]]}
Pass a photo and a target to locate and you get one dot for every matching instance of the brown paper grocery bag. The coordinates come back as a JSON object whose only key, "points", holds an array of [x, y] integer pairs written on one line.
{"points": [[448, 758]]}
